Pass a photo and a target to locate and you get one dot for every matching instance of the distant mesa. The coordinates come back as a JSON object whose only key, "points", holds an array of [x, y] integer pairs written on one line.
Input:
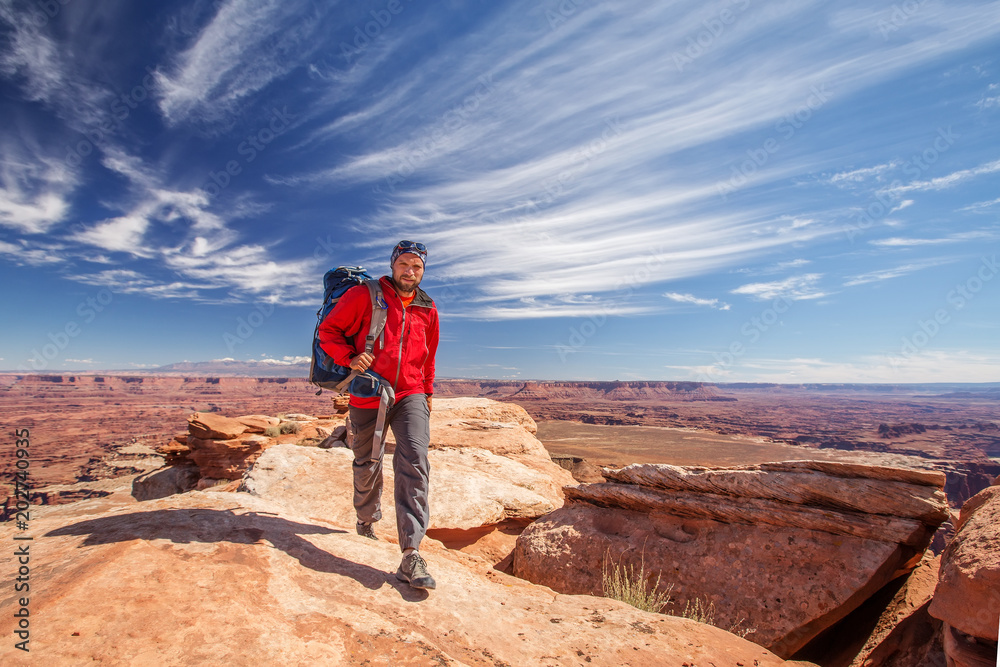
{"points": [[253, 368]]}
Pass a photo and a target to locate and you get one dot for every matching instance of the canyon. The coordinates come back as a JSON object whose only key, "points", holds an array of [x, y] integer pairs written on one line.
{"points": [[78, 421], [779, 485]]}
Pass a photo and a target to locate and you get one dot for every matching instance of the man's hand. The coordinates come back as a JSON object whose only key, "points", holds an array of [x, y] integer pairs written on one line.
{"points": [[429, 399], [361, 362]]}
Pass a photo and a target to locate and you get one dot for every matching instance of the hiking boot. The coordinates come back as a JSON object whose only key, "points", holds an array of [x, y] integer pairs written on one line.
{"points": [[413, 570], [366, 530]]}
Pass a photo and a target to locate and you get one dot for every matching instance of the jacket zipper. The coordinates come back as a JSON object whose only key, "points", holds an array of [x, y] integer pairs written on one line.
{"points": [[402, 335]]}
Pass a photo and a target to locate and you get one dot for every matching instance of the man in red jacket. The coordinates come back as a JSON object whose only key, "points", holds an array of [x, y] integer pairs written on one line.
{"points": [[404, 357]]}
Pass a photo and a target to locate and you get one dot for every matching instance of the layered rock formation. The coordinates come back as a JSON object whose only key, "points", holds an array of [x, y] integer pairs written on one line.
{"points": [[217, 448], [793, 546], [967, 597], [229, 578], [490, 477]]}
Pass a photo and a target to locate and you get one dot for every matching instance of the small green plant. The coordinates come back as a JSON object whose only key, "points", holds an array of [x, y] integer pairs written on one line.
{"points": [[272, 431], [623, 582], [290, 427]]}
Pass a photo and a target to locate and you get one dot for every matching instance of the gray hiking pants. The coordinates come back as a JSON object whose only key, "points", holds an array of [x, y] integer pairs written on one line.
{"points": [[409, 419]]}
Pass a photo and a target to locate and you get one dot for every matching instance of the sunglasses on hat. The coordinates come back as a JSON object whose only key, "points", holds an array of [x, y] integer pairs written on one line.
{"points": [[411, 246]]}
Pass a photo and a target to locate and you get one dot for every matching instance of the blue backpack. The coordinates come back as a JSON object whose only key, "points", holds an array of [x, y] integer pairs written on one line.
{"points": [[324, 372]]}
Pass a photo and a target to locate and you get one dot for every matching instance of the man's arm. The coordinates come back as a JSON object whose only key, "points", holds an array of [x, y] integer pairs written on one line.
{"points": [[343, 323], [432, 344]]}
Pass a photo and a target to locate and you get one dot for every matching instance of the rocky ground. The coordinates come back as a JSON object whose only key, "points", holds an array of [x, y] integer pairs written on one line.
{"points": [[239, 527]]}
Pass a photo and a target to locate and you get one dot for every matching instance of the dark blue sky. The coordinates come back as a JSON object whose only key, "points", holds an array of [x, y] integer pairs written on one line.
{"points": [[730, 191]]}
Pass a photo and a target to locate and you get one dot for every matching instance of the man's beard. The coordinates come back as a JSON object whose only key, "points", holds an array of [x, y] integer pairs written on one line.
{"points": [[400, 288]]}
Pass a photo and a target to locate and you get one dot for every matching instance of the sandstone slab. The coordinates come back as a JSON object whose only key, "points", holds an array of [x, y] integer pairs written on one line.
{"points": [[208, 425], [233, 579], [795, 546], [227, 459], [470, 488], [258, 423]]}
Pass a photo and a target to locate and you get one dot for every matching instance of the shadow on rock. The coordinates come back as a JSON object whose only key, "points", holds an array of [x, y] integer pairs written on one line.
{"points": [[184, 526]]}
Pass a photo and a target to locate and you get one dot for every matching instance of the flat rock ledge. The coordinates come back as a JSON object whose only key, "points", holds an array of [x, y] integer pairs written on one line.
{"points": [[795, 546], [147, 584]]}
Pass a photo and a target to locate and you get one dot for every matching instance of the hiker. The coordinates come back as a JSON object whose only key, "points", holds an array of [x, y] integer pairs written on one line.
{"points": [[404, 357]]}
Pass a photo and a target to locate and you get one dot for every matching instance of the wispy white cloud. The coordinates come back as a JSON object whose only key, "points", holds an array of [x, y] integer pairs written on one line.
{"points": [[981, 206], [34, 190], [944, 182], [125, 281], [514, 146], [190, 241], [989, 101], [122, 234], [284, 361], [794, 288], [958, 237], [777, 267], [926, 366], [245, 47], [32, 254], [865, 174], [903, 242], [692, 299], [895, 272]]}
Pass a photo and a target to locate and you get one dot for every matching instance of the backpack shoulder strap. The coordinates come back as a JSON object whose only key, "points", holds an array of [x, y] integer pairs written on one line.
{"points": [[380, 312]]}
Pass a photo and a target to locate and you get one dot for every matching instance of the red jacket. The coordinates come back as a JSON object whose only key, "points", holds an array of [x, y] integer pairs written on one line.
{"points": [[411, 339]]}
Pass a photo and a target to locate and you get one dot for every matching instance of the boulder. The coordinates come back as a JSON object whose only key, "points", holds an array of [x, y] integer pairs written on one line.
{"points": [[484, 409], [269, 586], [967, 597], [258, 423], [227, 459], [210, 426], [793, 546], [175, 451], [462, 428]]}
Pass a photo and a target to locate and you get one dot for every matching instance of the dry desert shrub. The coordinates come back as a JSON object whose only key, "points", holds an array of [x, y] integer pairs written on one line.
{"points": [[704, 612], [623, 582], [290, 427]]}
